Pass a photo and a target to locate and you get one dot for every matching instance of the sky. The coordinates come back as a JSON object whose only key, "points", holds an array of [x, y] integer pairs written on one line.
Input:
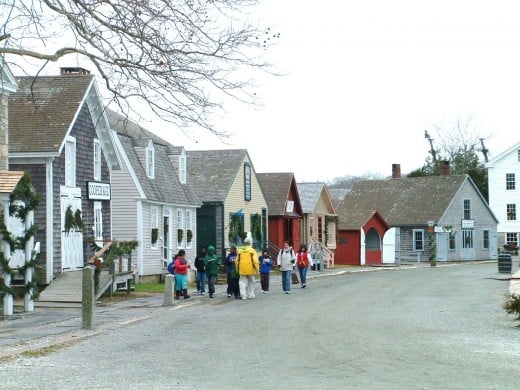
{"points": [[364, 79]]}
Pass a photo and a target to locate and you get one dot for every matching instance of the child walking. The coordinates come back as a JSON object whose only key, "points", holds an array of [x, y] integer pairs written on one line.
{"points": [[266, 263]]}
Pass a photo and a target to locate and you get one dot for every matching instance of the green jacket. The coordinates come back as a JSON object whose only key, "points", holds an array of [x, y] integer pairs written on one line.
{"points": [[211, 262]]}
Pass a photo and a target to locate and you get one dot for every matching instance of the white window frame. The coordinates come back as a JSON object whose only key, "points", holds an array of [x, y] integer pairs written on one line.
{"points": [[180, 225], [510, 181], [189, 226], [97, 160], [182, 168], [466, 208], [70, 162], [415, 239], [150, 161], [98, 223], [154, 224]]}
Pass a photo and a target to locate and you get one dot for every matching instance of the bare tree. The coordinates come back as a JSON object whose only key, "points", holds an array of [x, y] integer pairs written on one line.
{"points": [[180, 57]]}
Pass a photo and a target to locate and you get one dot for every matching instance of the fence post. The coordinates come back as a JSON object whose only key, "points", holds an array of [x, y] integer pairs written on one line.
{"points": [[87, 306], [168, 290]]}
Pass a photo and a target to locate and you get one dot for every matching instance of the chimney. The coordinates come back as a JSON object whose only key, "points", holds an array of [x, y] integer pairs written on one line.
{"points": [[445, 168], [396, 171], [70, 71]]}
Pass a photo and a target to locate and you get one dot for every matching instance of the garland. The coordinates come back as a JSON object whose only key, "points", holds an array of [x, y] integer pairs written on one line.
{"points": [[117, 249], [25, 193], [180, 234], [73, 221], [189, 235]]}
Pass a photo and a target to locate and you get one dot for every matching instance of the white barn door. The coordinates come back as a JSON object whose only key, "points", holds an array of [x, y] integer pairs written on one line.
{"points": [[71, 241]]}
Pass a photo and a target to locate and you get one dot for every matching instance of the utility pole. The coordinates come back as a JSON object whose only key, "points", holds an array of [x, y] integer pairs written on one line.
{"points": [[432, 150]]}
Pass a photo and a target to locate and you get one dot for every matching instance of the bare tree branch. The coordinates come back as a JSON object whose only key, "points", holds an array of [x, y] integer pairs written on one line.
{"points": [[179, 57]]}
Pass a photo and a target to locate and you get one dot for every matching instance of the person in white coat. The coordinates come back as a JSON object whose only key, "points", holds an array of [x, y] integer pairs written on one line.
{"points": [[285, 261]]}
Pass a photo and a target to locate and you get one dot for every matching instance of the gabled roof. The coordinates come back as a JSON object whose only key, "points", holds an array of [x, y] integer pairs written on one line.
{"points": [[310, 194], [42, 112], [276, 187], [212, 172], [165, 186], [505, 153], [409, 201], [9, 180]]}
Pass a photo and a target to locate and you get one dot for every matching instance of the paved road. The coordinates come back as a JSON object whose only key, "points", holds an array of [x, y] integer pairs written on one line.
{"points": [[425, 328]]}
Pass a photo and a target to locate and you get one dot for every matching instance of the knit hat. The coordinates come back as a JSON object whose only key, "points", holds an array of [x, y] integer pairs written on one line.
{"points": [[248, 241]]}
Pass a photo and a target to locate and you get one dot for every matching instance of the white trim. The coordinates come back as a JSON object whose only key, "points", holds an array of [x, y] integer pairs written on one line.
{"points": [[49, 222], [129, 166], [97, 159], [140, 237]]}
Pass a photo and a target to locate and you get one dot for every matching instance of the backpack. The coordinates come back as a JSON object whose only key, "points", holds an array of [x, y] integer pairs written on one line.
{"points": [[171, 267]]}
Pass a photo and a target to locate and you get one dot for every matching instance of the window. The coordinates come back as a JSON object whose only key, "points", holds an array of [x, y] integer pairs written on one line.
{"points": [[180, 228], [154, 226], [150, 167], [98, 224], [511, 211], [182, 168], [518, 153], [512, 238], [418, 240], [452, 241], [372, 240], [289, 207], [70, 162], [97, 160], [467, 239], [510, 181], [189, 229], [467, 209], [236, 228], [256, 230], [485, 239]]}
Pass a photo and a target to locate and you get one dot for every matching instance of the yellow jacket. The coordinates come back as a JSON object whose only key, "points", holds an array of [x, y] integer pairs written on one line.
{"points": [[247, 261]]}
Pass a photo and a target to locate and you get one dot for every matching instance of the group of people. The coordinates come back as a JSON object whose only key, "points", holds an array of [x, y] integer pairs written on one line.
{"points": [[241, 267]]}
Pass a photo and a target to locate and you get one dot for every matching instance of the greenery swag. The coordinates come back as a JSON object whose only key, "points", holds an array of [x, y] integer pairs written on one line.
{"points": [[22, 200], [180, 235], [189, 235]]}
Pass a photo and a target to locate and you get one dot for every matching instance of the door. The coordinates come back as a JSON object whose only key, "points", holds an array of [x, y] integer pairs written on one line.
{"points": [[441, 244], [166, 238], [206, 230], [17, 228], [389, 247], [71, 240], [468, 245]]}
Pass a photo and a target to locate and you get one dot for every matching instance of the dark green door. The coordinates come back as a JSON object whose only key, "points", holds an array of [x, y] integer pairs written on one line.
{"points": [[206, 232]]}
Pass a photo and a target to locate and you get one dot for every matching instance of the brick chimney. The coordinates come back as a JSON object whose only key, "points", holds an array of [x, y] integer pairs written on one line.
{"points": [[69, 71], [396, 171], [445, 168]]}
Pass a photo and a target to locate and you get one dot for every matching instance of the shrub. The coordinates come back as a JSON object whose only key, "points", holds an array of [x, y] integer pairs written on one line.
{"points": [[512, 305]]}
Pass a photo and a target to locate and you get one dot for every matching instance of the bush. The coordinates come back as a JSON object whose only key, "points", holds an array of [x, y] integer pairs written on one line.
{"points": [[512, 305]]}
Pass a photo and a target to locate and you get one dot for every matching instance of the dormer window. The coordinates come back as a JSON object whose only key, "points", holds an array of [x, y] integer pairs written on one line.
{"points": [[182, 168], [150, 165]]}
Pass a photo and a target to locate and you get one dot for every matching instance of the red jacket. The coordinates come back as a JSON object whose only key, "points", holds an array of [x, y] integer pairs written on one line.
{"points": [[180, 268], [302, 260]]}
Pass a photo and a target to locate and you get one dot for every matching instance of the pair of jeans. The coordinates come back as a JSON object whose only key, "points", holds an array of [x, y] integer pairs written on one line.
{"points": [[212, 280], [264, 281], [303, 275], [286, 280], [201, 281]]}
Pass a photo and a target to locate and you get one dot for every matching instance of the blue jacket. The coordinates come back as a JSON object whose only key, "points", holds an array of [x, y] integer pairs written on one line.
{"points": [[265, 264]]}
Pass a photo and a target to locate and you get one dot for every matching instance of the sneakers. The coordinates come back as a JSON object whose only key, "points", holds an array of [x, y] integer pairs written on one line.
{"points": [[202, 293], [243, 298], [229, 295], [304, 285], [287, 292], [211, 295]]}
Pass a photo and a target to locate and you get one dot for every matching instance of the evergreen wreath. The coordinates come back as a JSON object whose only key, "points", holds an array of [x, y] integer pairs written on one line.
{"points": [[29, 200]]}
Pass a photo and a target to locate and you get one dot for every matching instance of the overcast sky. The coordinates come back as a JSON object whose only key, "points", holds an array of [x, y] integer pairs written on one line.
{"points": [[367, 78]]}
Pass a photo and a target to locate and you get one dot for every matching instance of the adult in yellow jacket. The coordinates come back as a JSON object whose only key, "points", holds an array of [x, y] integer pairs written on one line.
{"points": [[247, 267]]}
